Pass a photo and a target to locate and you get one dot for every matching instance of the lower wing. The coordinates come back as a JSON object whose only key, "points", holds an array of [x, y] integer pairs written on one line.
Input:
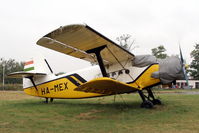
{"points": [[106, 86]]}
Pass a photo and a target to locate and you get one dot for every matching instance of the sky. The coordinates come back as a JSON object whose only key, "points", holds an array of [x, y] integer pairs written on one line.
{"points": [[150, 23]]}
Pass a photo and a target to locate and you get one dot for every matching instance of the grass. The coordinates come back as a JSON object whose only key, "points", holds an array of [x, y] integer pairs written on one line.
{"points": [[25, 114], [11, 87]]}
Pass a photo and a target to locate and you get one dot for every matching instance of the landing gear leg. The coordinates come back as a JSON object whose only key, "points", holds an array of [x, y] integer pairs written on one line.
{"points": [[153, 100], [46, 100], [146, 103], [51, 100]]}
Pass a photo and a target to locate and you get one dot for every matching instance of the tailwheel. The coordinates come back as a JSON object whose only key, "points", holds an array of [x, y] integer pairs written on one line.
{"points": [[147, 104]]}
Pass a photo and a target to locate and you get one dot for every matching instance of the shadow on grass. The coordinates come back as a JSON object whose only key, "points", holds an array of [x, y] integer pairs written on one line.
{"points": [[107, 105]]}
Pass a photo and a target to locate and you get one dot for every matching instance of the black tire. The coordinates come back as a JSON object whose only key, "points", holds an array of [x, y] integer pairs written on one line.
{"points": [[147, 104], [156, 102]]}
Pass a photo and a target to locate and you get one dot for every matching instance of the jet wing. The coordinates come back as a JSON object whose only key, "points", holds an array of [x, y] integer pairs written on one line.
{"points": [[106, 86], [76, 39]]}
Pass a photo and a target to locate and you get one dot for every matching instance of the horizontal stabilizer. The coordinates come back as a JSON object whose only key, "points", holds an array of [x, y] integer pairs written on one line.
{"points": [[105, 86], [24, 74]]}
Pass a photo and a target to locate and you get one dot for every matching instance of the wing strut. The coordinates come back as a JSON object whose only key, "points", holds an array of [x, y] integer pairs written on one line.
{"points": [[97, 51], [31, 79]]}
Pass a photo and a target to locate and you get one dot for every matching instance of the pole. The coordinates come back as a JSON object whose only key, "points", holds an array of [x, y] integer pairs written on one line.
{"points": [[3, 77]]}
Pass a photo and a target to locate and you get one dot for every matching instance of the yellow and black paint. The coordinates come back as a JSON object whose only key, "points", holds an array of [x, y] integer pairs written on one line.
{"points": [[60, 88], [74, 86], [144, 80]]}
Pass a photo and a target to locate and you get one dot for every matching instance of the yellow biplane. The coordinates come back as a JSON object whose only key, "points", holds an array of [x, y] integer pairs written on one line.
{"points": [[116, 70]]}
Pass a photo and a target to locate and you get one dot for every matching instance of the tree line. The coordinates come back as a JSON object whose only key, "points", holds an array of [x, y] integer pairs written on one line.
{"points": [[9, 66]]}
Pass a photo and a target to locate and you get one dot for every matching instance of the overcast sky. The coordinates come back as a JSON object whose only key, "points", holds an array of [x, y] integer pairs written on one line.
{"points": [[150, 22]]}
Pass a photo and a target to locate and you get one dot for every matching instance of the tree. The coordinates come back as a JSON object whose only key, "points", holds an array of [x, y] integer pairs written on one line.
{"points": [[194, 66], [159, 52], [126, 42], [9, 66]]}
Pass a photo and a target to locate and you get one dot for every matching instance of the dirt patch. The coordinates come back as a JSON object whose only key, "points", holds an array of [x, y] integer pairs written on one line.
{"points": [[88, 115], [4, 123]]}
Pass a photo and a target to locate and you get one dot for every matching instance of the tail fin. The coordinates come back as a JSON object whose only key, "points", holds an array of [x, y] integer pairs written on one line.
{"points": [[33, 67], [37, 65]]}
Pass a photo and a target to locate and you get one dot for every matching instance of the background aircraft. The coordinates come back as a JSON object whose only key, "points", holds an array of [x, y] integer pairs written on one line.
{"points": [[118, 71]]}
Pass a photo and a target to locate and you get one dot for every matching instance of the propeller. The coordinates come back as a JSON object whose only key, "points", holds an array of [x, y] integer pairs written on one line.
{"points": [[183, 67]]}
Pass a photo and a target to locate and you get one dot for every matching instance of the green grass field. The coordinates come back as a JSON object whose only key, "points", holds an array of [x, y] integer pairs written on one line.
{"points": [[25, 114]]}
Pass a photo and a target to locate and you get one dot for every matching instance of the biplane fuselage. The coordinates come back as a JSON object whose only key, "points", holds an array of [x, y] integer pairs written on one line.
{"points": [[65, 85]]}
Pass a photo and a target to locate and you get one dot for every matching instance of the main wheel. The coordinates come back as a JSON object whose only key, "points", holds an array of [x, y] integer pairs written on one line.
{"points": [[156, 102], [147, 104]]}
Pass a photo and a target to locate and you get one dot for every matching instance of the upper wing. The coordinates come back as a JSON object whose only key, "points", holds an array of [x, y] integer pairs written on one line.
{"points": [[106, 86], [75, 40]]}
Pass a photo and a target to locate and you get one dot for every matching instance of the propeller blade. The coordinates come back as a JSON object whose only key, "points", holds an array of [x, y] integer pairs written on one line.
{"points": [[181, 57], [183, 67]]}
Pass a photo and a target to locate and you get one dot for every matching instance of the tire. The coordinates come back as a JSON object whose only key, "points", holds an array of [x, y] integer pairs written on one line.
{"points": [[147, 104], [156, 102]]}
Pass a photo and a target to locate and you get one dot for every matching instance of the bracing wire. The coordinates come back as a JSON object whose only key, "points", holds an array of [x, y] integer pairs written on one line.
{"points": [[114, 98], [122, 99], [122, 65]]}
